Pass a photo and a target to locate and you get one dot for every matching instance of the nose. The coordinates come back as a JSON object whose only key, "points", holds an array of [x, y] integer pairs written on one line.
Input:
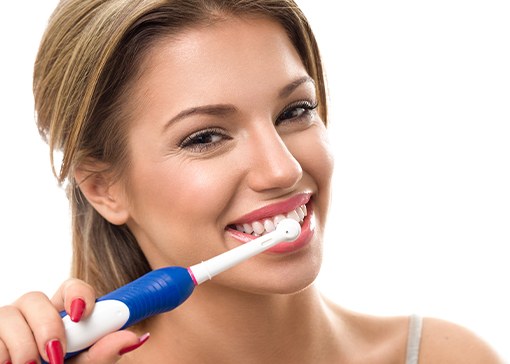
{"points": [[271, 165]]}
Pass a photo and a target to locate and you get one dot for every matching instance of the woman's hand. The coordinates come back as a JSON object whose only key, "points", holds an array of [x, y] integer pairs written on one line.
{"points": [[31, 328]]}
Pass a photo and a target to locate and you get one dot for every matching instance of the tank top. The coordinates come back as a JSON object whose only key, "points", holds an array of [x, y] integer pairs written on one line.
{"points": [[413, 339]]}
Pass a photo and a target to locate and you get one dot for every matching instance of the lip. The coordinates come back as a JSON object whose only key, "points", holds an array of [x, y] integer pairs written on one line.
{"points": [[274, 209], [307, 227]]}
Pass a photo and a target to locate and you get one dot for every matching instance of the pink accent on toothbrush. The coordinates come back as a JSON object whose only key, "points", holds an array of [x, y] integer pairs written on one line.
{"points": [[192, 277]]}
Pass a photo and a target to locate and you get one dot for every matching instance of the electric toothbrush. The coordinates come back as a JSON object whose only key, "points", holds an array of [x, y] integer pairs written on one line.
{"points": [[162, 290]]}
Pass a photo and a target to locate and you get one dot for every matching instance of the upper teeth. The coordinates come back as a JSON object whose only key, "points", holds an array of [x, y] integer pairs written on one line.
{"points": [[269, 224]]}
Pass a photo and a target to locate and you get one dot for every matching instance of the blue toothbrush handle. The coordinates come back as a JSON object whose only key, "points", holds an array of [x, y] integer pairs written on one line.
{"points": [[156, 292]]}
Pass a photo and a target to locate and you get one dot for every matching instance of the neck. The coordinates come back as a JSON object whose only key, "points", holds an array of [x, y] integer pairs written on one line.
{"points": [[221, 325]]}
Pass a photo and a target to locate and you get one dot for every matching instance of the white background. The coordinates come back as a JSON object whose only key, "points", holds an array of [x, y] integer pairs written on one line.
{"points": [[420, 125]]}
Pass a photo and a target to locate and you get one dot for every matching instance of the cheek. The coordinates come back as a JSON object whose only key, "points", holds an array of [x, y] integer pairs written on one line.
{"points": [[312, 151], [202, 190], [174, 212], [184, 191]]}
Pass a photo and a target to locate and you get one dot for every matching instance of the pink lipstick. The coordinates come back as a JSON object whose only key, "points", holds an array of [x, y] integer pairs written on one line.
{"points": [[261, 221]]}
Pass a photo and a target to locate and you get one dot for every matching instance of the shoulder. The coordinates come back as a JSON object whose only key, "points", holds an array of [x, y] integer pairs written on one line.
{"points": [[446, 342]]}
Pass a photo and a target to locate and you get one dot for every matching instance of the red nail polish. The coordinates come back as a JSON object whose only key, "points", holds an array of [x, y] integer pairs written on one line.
{"points": [[141, 340], [55, 352], [77, 309], [30, 362]]}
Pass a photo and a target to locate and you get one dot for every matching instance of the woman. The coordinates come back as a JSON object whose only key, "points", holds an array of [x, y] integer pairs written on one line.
{"points": [[186, 128]]}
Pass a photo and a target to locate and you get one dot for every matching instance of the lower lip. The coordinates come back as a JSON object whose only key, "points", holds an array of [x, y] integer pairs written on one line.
{"points": [[304, 238]]}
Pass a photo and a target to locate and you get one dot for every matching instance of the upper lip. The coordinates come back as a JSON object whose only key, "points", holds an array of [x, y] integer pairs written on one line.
{"points": [[274, 209]]}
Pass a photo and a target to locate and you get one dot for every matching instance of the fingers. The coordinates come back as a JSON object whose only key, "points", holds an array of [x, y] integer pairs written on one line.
{"points": [[17, 343], [32, 327], [111, 348], [76, 297], [4, 353], [78, 300], [45, 324]]}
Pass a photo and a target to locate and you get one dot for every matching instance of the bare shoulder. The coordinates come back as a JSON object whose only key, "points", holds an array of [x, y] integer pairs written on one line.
{"points": [[446, 342]]}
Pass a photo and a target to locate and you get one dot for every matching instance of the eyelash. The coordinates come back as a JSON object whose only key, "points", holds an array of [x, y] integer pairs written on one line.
{"points": [[195, 142], [307, 109]]}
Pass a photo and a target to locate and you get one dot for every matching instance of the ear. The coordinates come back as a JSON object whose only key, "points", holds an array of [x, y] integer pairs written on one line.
{"points": [[108, 197]]}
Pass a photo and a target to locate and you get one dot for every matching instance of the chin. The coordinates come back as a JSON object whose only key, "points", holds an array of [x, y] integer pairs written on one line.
{"points": [[294, 286], [274, 274], [285, 279]]}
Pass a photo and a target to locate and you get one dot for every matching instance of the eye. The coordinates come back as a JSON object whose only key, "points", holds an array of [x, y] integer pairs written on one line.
{"points": [[296, 112], [204, 140]]}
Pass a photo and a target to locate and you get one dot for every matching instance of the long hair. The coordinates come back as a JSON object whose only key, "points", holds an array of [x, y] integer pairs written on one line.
{"points": [[89, 54]]}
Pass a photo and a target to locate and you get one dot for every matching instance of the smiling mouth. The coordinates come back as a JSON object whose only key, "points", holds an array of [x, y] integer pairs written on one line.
{"points": [[267, 225]]}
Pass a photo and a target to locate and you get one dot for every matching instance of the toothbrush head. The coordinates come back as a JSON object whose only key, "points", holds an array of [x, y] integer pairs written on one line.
{"points": [[289, 229]]}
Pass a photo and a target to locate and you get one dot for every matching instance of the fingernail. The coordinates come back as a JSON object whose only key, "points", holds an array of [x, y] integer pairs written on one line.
{"points": [[55, 352], [141, 340], [77, 309], [30, 362]]}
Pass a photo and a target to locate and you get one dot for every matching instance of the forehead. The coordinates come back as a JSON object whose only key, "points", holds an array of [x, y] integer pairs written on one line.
{"points": [[216, 62]]}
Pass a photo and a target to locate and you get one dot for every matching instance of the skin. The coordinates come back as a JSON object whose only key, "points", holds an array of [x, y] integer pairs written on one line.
{"points": [[178, 200]]}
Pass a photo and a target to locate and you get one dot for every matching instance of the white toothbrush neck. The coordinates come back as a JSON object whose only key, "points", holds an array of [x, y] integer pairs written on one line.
{"points": [[287, 230]]}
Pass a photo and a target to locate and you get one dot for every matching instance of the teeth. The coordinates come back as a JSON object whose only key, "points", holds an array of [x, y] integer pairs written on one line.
{"points": [[258, 228], [277, 219], [269, 225], [248, 229], [300, 213], [293, 215], [262, 227]]}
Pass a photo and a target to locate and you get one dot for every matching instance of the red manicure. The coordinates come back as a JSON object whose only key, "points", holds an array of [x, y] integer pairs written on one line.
{"points": [[55, 352], [77, 309], [141, 340]]}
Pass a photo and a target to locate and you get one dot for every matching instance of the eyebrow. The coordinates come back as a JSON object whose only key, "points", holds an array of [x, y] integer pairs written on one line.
{"points": [[227, 109], [213, 110], [289, 89]]}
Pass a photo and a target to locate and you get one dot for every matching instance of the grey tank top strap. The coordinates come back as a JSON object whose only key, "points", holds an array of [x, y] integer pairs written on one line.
{"points": [[413, 339]]}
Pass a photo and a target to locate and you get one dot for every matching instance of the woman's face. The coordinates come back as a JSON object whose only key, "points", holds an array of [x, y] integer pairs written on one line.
{"points": [[224, 136]]}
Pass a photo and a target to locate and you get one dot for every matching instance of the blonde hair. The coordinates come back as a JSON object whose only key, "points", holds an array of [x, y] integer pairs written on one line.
{"points": [[89, 54]]}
